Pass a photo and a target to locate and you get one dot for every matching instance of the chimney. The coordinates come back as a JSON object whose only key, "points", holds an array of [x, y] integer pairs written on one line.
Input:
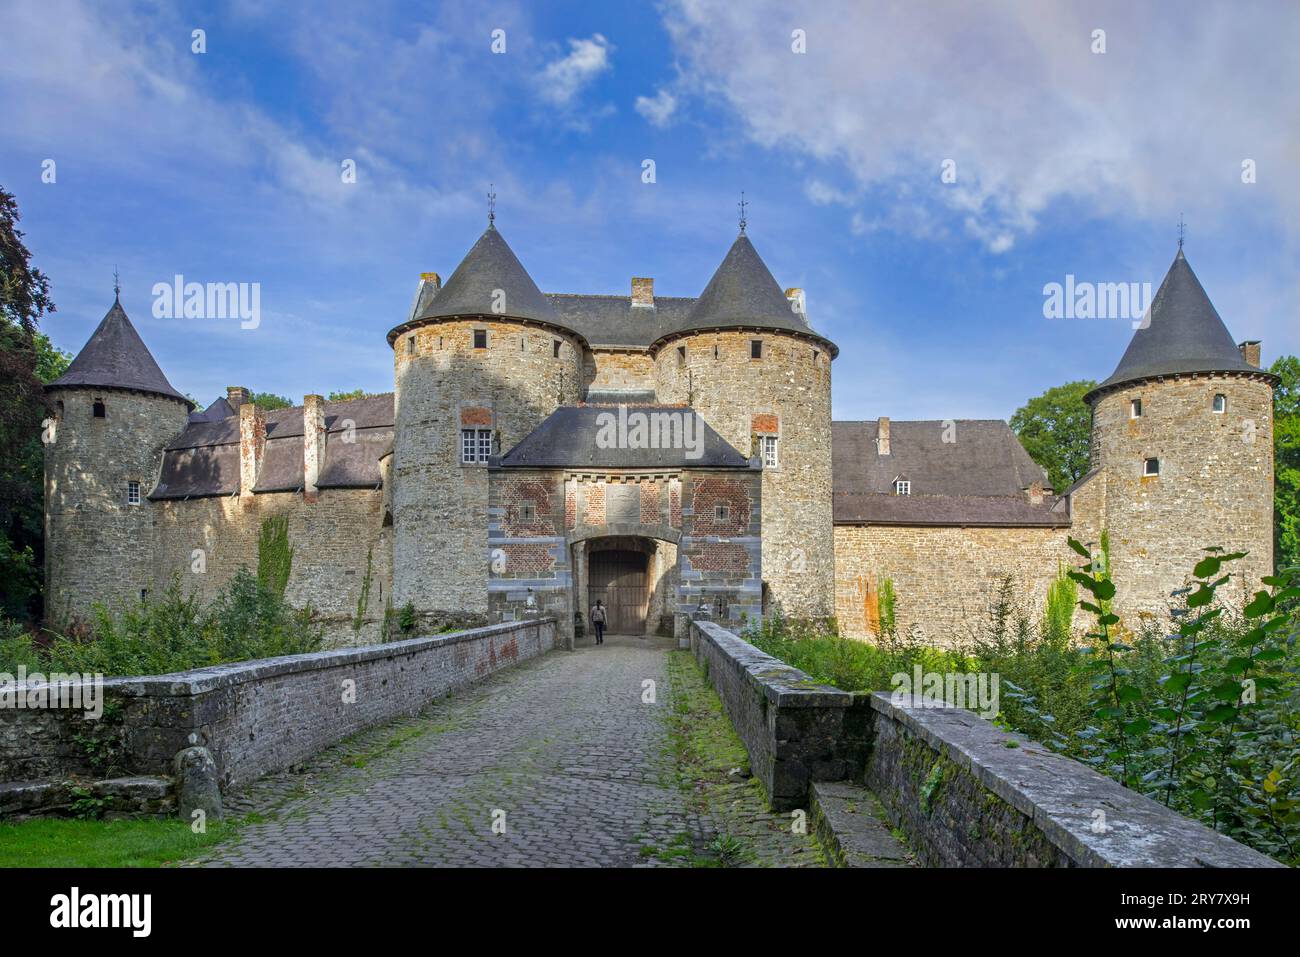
{"points": [[643, 291], [1035, 492], [882, 436], [1250, 351], [794, 295], [430, 283], [252, 443], [237, 395], [313, 444]]}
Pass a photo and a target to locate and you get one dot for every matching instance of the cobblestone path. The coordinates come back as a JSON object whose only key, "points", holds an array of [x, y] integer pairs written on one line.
{"points": [[561, 750]]}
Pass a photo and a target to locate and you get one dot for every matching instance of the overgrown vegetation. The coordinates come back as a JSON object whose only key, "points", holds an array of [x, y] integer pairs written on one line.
{"points": [[1200, 713]]}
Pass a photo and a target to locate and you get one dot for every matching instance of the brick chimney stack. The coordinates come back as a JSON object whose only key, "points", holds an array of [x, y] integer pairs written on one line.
{"points": [[1250, 351], [882, 435], [237, 395], [252, 443], [643, 291], [313, 445]]}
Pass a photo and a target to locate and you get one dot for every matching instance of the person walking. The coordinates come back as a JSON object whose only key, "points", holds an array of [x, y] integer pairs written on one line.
{"points": [[598, 618]]}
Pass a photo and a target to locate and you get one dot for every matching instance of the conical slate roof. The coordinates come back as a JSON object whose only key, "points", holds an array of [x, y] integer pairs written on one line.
{"points": [[743, 293], [490, 266], [116, 357], [1184, 335]]}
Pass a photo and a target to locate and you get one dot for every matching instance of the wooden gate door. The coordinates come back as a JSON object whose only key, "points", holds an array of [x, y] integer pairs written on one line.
{"points": [[618, 578]]}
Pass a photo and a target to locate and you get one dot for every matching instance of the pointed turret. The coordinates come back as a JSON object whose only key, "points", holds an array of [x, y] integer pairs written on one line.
{"points": [[1184, 335], [490, 281], [116, 357], [743, 294]]}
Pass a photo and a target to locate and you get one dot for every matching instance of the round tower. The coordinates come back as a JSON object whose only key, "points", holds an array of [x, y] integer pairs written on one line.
{"points": [[747, 360], [115, 412], [482, 361], [1182, 433]]}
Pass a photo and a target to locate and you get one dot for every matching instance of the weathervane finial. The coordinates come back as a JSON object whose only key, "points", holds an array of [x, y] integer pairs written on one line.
{"points": [[117, 286], [742, 204], [492, 204], [1182, 227]]}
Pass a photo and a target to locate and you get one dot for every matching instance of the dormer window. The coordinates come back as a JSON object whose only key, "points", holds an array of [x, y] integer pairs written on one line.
{"points": [[1150, 468], [902, 487], [1135, 409], [98, 410], [1220, 402]]}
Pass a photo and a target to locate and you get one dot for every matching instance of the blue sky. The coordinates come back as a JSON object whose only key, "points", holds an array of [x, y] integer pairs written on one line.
{"points": [[225, 167]]}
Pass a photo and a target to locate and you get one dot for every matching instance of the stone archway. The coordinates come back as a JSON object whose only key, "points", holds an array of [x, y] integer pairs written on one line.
{"points": [[635, 574]]}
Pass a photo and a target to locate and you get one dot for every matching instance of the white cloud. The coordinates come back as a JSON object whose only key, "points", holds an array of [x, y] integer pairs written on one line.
{"points": [[657, 109], [1013, 95], [562, 80]]}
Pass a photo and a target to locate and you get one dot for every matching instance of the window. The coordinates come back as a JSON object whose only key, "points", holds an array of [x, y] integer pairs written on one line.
{"points": [[1150, 467], [1135, 409], [681, 356], [480, 338], [756, 348], [528, 512], [768, 448], [98, 410], [132, 493], [715, 350], [410, 345], [555, 349], [1220, 402], [475, 445], [721, 513], [902, 487]]}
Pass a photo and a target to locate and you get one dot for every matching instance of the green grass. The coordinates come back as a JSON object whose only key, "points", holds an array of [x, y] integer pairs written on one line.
{"points": [[60, 842]]}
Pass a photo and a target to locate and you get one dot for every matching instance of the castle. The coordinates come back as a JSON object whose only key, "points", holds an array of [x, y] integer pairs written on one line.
{"points": [[668, 455]]}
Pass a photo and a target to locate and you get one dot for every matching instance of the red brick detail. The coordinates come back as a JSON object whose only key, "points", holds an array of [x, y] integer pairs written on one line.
{"points": [[649, 503], [570, 507], [765, 424], [476, 416], [595, 511], [675, 506], [528, 561], [521, 492], [729, 557], [710, 493]]}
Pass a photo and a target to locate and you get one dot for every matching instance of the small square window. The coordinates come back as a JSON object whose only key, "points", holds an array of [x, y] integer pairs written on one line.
{"points": [[1135, 409], [902, 487], [132, 493], [1150, 467], [480, 338], [1220, 402], [528, 512], [721, 513], [475, 446], [756, 348], [98, 410]]}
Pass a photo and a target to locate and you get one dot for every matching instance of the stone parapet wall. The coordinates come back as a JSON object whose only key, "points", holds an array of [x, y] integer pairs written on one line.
{"points": [[260, 716]]}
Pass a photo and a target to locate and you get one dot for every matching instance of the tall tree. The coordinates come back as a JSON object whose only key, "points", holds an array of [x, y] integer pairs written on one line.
{"points": [[1055, 429], [25, 356], [1286, 462]]}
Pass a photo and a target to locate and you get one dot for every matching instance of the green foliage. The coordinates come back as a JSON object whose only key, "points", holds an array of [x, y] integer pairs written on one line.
{"points": [[407, 619], [351, 394], [363, 601], [174, 632], [1286, 462], [274, 554], [887, 603], [1058, 610], [1055, 429], [269, 400]]}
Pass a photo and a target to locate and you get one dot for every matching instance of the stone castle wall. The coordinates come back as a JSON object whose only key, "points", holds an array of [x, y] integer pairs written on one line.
{"points": [[1215, 486], [787, 392], [944, 578], [98, 547], [440, 507], [618, 369]]}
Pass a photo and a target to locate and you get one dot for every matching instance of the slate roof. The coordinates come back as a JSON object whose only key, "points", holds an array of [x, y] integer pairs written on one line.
{"points": [[115, 357], [217, 411], [489, 266], [1184, 335], [980, 479], [742, 293], [568, 439], [204, 459], [614, 321]]}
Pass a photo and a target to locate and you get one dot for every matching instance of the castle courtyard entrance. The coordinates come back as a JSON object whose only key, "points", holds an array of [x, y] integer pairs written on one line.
{"points": [[619, 578]]}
